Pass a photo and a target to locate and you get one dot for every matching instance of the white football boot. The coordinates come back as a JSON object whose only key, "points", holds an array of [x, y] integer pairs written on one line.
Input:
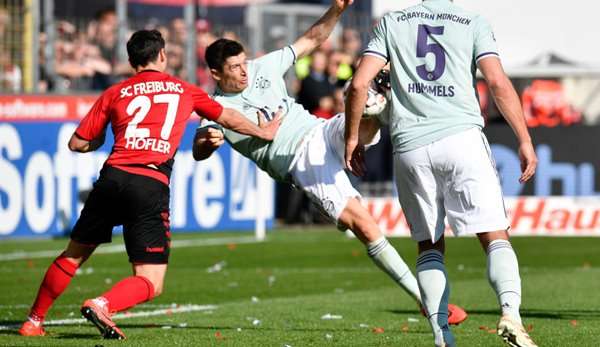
{"points": [[513, 333]]}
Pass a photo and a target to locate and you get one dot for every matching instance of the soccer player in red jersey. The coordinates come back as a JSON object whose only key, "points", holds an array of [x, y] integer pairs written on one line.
{"points": [[148, 114]]}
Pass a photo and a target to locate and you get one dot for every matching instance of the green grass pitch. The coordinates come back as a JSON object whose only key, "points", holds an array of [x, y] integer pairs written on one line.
{"points": [[298, 277]]}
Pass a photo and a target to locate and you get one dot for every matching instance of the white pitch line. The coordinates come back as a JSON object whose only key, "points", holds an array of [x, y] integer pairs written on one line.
{"points": [[181, 309], [121, 248], [66, 306]]}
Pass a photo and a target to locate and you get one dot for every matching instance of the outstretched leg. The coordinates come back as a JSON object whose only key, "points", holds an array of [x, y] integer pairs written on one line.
{"points": [[55, 282], [383, 254]]}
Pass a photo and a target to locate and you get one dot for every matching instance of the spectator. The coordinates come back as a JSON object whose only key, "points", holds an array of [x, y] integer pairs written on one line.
{"points": [[317, 84], [78, 63], [176, 57], [178, 31], [230, 35], [4, 23], [338, 68], [204, 38], [102, 33], [326, 108], [10, 74], [106, 35], [339, 104], [164, 31], [351, 43]]}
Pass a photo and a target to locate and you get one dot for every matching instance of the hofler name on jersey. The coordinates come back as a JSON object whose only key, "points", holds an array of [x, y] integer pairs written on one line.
{"points": [[151, 87], [148, 144]]}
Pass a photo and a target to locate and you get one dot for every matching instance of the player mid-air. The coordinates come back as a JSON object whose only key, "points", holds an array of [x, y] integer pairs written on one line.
{"points": [[306, 152], [148, 114], [443, 163]]}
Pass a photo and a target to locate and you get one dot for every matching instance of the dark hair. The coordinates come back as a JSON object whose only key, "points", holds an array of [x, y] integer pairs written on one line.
{"points": [[143, 47], [104, 12], [219, 51]]}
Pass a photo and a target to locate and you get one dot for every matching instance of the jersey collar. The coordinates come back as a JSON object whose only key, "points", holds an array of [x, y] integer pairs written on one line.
{"points": [[219, 91], [149, 70]]}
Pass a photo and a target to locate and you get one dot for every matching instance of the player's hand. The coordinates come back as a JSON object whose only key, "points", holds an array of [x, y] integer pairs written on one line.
{"points": [[355, 157], [214, 138], [206, 141], [528, 160], [269, 127], [341, 5]]}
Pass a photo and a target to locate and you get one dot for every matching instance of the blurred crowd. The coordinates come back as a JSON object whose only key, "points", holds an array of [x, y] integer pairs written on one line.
{"points": [[86, 58], [322, 75], [11, 75]]}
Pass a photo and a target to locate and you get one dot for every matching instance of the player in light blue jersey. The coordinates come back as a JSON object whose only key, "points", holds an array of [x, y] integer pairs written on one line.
{"points": [[443, 165], [306, 152]]}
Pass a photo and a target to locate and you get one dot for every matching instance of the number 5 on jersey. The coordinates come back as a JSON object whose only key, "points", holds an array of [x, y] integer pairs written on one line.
{"points": [[139, 108], [424, 48]]}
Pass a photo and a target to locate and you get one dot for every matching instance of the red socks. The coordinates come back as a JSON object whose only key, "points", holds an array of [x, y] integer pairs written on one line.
{"points": [[123, 295], [57, 278], [128, 293]]}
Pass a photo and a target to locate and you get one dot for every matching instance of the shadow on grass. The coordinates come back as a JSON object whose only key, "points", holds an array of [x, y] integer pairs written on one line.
{"points": [[11, 323], [51, 334], [550, 314], [209, 328], [529, 313], [76, 336], [11, 332], [10, 327], [244, 328]]}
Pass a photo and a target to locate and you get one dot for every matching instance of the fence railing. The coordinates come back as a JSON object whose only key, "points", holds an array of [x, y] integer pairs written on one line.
{"points": [[16, 45]]}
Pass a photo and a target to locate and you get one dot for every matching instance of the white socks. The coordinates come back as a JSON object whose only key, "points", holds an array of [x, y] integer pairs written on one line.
{"points": [[433, 282], [503, 274], [387, 259]]}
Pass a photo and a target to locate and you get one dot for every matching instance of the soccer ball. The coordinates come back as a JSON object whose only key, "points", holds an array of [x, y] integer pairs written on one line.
{"points": [[376, 101], [375, 104]]}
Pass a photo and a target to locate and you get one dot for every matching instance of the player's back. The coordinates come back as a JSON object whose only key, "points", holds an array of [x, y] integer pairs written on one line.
{"points": [[148, 114], [433, 48]]}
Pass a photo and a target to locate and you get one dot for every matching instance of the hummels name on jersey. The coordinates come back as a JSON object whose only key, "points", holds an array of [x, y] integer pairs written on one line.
{"points": [[434, 90], [151, 87]]}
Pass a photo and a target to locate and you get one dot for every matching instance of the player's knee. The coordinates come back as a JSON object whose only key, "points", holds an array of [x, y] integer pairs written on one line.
{"points": [[77, 252], [487, 237], [368, 229], [358, 219]]}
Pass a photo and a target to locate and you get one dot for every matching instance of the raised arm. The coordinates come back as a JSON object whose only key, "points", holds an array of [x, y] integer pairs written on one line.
{"points": [[320, 31], [508, 103]]}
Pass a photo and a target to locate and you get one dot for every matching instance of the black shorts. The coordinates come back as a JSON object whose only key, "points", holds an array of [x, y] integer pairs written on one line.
{"points": [[139, 203]]}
